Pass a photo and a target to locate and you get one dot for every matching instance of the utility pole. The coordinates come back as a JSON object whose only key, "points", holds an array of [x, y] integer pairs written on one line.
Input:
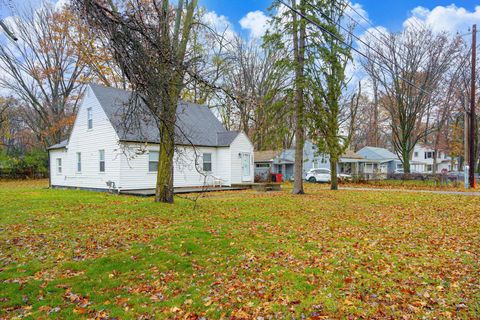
{"points": [[472, 110]]}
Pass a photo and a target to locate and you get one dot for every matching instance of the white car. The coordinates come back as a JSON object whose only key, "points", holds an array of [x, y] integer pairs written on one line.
{"points": [[323, 175]]}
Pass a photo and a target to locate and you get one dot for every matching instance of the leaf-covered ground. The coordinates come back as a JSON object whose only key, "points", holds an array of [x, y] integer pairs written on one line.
{"points": [[239, 255], [455, 186]]}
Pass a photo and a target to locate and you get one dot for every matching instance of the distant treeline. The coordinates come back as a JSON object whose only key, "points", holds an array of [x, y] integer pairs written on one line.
{"points": [[31, 165]]}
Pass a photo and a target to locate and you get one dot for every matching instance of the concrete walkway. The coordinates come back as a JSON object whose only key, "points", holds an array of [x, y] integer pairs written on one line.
{"points": [[457, 193]]}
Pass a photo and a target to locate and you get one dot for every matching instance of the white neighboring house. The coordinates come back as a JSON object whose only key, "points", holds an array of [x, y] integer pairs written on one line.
{"points": [[423, 157], [103, 153]]}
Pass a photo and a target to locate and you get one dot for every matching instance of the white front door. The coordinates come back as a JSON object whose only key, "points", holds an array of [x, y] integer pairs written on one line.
{"points": [[246, 167]]}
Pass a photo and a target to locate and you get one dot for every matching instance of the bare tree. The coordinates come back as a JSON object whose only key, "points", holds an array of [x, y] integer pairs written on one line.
{"points": [[43, 70], [150, 42], [371, 125], [256, 81], [409, 68]]}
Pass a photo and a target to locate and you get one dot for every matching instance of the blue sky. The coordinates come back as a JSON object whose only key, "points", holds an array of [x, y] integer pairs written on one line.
{"points": [[388, 13]]}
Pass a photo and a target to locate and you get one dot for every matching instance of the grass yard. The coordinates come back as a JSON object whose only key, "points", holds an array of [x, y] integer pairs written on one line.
{"points": [[411, 185], [239, 255]]}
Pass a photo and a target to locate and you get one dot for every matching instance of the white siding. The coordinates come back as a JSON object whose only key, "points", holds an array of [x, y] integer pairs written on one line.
{"points": [[135, 173], [443, 162], [223, 170], [127, 167], [57, 178], [240, 145], [88, 142]]}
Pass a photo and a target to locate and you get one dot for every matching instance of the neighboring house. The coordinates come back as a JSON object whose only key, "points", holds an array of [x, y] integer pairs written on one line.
{"points": [[284, 162], [381, 162], [267, 162], [103, 153], [423, 160]]}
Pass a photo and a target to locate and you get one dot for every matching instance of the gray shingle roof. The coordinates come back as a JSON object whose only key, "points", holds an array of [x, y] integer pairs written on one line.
{"points": [[224, 139], [372, 153], [196, 124]]}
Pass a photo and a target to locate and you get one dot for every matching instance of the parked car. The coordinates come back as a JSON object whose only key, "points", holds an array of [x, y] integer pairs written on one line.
{"points": [[323, 175], [456, 175], [459, 175]]}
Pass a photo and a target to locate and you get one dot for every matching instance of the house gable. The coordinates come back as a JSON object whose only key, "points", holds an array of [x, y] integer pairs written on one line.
{"points": [[85, 145]]}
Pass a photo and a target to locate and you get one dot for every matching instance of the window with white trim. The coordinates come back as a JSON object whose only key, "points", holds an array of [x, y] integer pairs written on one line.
{"points": [[429, 155], [207, 162], [101, 156], [59, 165], [153, 161], [79, 162], [89, 118]]}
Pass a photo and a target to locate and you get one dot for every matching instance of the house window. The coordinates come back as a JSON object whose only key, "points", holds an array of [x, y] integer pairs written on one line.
{"points": [[79, 162], [415, 154], [59, 165], [207, 162], [262, 165], [153, 161], [429, 167], [429, 155], [101, 156], [89, 118]]}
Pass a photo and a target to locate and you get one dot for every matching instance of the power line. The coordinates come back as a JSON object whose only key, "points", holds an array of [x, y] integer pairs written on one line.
{"points": [[349, 32], [358, 23], [361, 16], [348, 45], [385, 37]]}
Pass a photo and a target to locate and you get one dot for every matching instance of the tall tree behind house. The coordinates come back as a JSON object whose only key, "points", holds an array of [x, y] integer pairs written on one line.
{"points": [[410, 67], [256, 80], [331, 113], [44, 70], [289, 32]]}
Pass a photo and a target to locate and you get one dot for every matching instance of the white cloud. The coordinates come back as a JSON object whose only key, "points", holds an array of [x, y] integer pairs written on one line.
{"points": [[356, 12], [61, 3], [220, 24], [256, 22], [450, 18]]}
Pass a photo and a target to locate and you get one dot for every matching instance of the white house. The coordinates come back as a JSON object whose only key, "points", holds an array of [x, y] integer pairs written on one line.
{"points": [[103, 152], [423, 160]]}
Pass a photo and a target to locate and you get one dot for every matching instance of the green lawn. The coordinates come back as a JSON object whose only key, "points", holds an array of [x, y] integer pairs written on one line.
{"points": [[239, 255]]}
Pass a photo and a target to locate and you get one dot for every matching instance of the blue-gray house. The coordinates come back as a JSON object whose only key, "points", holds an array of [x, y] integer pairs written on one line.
{"points": [[283, 161], [382, 160]]}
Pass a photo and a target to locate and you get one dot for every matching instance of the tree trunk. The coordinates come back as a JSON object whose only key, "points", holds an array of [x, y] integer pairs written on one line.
{"points": [[375, 115], [334, 174], [164, 188], [435, 157], [299, 35], [406, 161]]}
